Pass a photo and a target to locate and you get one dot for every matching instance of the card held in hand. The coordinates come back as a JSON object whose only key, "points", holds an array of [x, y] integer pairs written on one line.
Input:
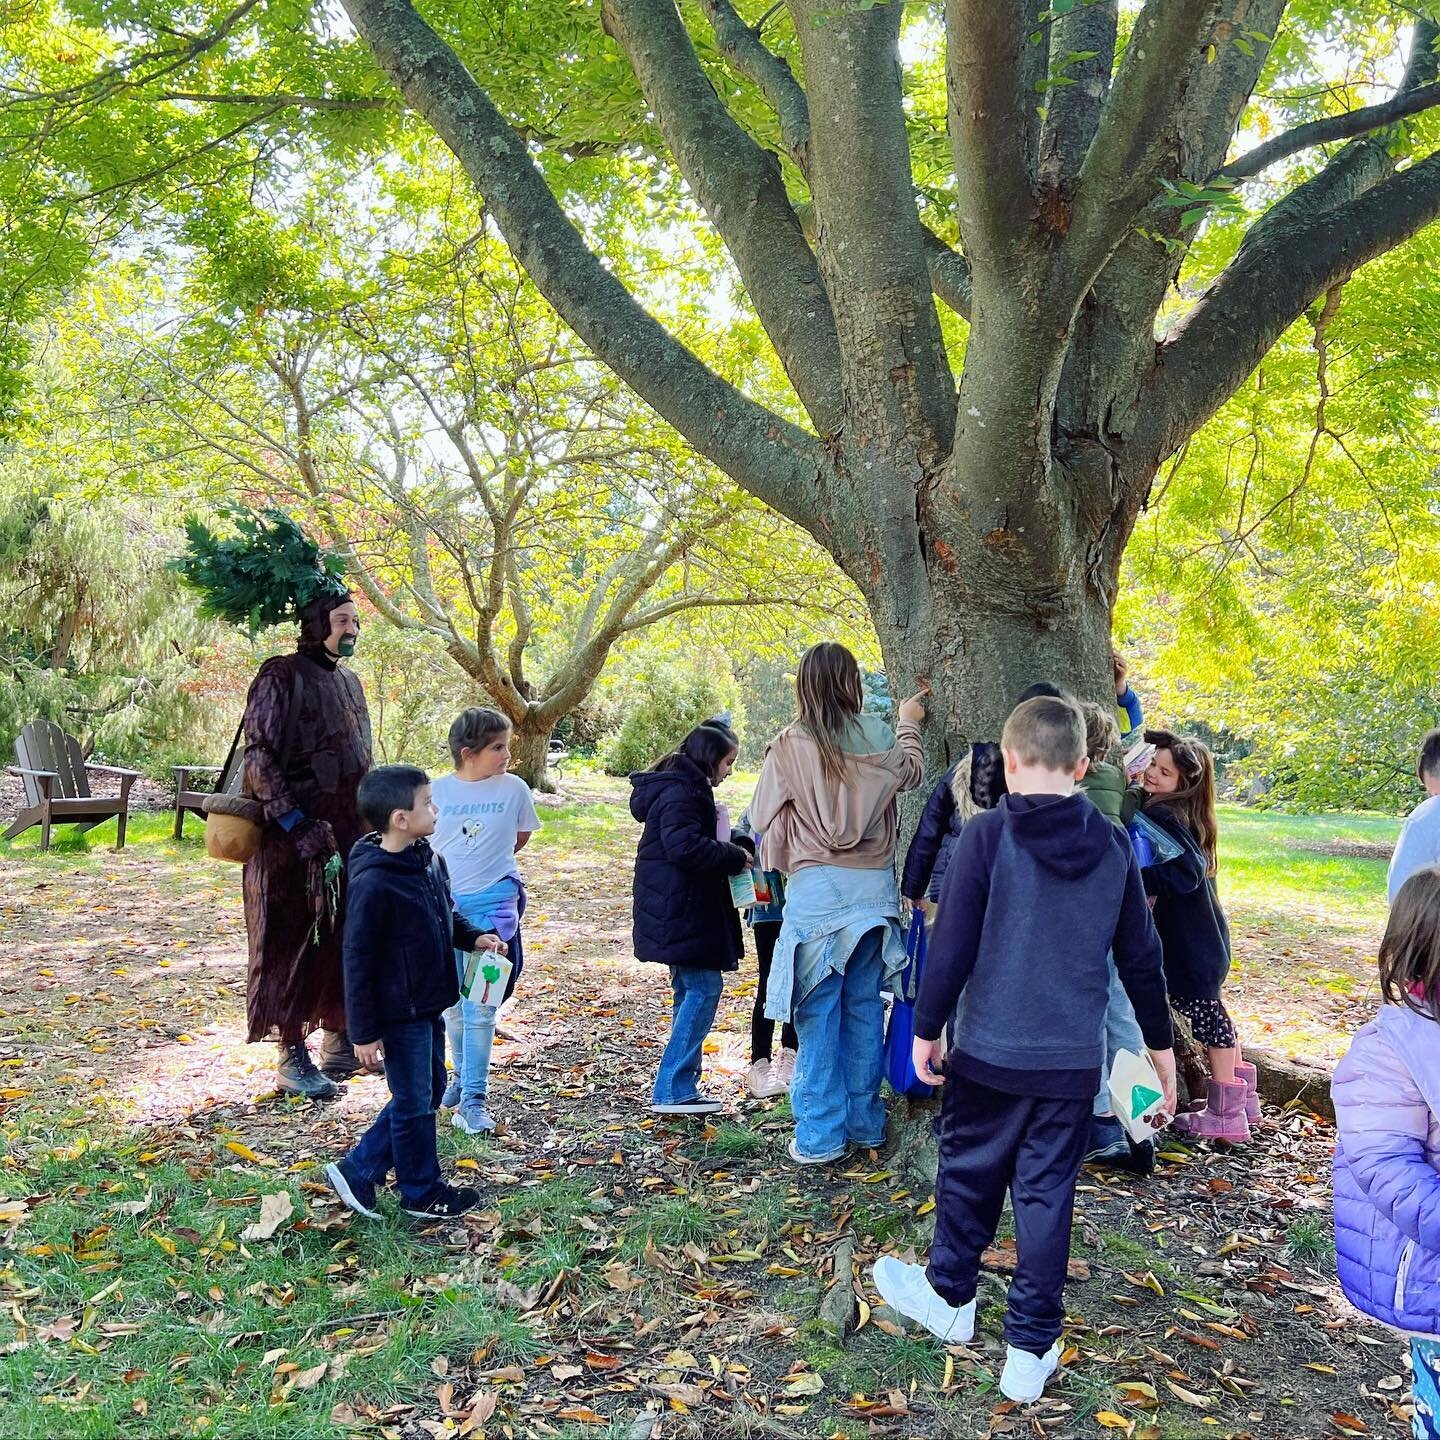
{"points": [[486, 976]]}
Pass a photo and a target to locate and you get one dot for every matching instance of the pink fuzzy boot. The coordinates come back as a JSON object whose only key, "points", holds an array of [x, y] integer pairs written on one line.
{"points": [[1223, 1117], [1245, 1071]]}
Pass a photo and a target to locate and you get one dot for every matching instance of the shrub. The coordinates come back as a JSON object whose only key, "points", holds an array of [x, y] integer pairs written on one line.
{"points": [[668, 702]]}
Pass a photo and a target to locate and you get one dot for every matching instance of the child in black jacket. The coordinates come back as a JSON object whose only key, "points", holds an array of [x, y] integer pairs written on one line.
{"points": [[401, 931], [684, 915], [1180, 798]]}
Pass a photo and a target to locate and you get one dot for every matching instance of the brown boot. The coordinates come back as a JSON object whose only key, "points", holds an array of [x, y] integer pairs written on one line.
{"points": [[338, 1059]]}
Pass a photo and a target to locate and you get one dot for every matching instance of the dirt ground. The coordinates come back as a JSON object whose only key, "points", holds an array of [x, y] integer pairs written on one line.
{"points": [[1204, 1302]]}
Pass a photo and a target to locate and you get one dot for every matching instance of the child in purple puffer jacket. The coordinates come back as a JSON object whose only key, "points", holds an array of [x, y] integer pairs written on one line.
{"points": [[1387, 1158]]}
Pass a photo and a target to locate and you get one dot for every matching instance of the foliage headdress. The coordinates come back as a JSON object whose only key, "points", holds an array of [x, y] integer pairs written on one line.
{"points": [[267, 573]]}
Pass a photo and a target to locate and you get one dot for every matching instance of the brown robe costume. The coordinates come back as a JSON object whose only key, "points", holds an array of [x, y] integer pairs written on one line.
{"points": [[296, 984]]}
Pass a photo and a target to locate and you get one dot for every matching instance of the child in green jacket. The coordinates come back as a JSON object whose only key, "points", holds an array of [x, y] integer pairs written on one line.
{"points": [[1104, 782]]}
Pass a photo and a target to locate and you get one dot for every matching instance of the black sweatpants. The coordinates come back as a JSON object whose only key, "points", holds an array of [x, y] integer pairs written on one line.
{"points": [[990, 1143], [762, 1030]]}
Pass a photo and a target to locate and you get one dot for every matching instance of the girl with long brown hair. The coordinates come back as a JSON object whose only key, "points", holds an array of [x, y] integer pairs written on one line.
{"points": [[1180, 798], [826, 805]]}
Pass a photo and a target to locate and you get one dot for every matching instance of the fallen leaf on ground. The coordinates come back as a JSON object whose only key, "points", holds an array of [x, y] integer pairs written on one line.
{"points": [[275, 1210], [806, 1383]]}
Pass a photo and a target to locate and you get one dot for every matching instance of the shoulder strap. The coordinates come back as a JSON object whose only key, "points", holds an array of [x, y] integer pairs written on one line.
{"points": [[230, 754]]}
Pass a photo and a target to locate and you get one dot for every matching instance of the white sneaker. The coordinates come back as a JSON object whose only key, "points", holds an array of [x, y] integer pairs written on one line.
{"points": [[1023, 1379], [763, 1082], [784, 1068], [801, 1158], [906, 1289]]}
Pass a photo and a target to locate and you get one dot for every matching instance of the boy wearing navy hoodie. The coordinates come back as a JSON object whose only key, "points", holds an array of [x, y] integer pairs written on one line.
{"points": [[401, 934], [1037, 893]]}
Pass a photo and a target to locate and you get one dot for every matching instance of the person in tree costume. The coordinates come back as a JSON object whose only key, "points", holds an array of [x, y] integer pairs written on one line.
{"points": [[307, 747]]}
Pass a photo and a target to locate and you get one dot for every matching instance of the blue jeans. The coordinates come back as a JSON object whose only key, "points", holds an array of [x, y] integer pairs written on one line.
{"points": [[1120, 1031], [697, 997], [841, 1025], [402, 1137], [470, 1027]]}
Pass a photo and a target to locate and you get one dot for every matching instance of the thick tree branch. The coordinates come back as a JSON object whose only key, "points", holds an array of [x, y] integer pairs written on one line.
{"points": [[1334, 127], [1072, 111], [894, 369], [1136, 118], [949, 273], [1363, 163], [773, 459], [950, 277], [1270, 284], [1136, 131], [1113, 333], [989, 119], [740, 188], [742, 46]]}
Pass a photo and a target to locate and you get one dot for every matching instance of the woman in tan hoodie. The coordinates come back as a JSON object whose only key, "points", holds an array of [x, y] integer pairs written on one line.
{"points": [[826, 804]]}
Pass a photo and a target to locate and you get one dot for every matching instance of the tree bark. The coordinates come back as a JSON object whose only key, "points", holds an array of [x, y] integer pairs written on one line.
{"points": [[985, 527], [529, 747]]}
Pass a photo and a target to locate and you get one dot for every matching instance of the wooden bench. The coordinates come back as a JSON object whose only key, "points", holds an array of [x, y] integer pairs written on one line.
{"points": [[56, 779], [191, 797]]}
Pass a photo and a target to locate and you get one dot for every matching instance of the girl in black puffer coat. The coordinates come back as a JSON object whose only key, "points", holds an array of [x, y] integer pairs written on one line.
{"points": [[684, 915]]}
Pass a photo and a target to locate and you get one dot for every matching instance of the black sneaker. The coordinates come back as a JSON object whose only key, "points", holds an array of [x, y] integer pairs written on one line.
{"points": [[445, 1202], [358, 1194], [1142, 1158], [1108, 1142]]}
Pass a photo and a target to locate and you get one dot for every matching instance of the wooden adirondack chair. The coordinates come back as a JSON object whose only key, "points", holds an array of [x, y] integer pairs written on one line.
{"points": [[191, 797], [56, 779]]}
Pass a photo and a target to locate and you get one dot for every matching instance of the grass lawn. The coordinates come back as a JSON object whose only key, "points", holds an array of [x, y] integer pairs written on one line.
{"points": [[625, 1278], [1309, 868]]}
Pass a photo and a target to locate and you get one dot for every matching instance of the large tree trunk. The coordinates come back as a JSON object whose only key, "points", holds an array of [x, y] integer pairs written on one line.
{"points": [[529, 745], [981, 605]]}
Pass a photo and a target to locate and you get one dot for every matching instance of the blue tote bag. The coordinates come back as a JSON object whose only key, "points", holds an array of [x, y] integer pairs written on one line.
{"points": [[900, 1036]]}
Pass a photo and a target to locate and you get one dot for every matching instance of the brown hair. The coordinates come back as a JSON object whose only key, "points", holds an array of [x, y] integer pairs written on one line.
{"points": [[1047, 732], [828, 697], [1410, 951], [1102, 734], [1429, 761], [1194, 801], [474, 729]]}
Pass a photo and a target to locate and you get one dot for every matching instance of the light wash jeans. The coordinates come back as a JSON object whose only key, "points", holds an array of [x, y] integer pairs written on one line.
{"points": [[470, 1026], [841, 1025], [470, 1029], [1120, 1031], [696, 998]]}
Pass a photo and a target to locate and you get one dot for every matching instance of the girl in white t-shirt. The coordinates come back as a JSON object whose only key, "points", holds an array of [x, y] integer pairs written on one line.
{"points": [[486, 816]]}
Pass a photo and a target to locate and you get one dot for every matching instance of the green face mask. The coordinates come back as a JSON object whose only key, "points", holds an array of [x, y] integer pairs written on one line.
{"points": [[346, 646]]}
